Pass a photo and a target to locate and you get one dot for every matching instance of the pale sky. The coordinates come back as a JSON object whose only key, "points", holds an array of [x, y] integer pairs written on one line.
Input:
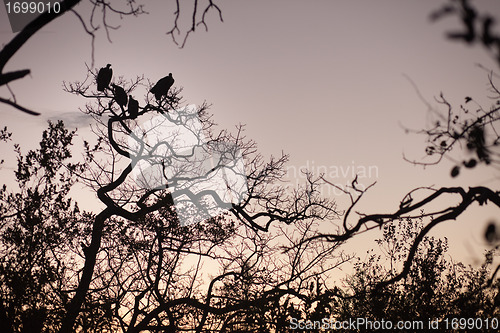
{"points": [[323, 81]]}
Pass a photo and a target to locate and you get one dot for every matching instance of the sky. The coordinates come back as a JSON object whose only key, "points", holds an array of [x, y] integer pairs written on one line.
{"points": [[327, 82]]}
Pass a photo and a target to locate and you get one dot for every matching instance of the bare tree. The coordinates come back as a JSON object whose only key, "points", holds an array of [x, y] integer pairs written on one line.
{"points": [[148, 246]]}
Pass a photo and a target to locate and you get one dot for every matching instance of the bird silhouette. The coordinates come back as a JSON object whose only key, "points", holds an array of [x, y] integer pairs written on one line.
{"points": [[162, 86], [133, 107], [120, 95], [104, 77]]}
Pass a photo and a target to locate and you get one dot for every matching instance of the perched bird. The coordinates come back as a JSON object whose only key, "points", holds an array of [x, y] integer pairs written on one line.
{"points": [[104, 77], [120, 95], [162, 86], [133, 107]]}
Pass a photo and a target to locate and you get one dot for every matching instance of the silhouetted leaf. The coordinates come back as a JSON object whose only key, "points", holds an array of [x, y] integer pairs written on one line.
{"points": [[491, 233], [471, 163], [455, 171]]}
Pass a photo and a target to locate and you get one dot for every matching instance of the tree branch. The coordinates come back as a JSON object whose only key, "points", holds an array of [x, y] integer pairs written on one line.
{"points": [[19, 107]]}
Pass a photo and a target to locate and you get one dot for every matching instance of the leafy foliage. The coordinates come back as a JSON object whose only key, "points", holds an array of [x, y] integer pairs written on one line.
{"points": [[435, 288], [39, 233]]}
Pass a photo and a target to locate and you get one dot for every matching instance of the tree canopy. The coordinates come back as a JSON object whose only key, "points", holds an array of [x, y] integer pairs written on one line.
{"points": [[198, 231]]}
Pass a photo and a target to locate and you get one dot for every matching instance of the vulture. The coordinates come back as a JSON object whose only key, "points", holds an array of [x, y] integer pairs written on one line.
{"points": [[104, 77], [162, 86], [120, 95], [133, 107]]}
